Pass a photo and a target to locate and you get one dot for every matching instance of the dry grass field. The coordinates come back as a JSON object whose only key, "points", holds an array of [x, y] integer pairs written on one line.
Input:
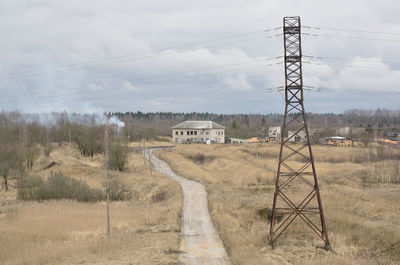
{"points": [[144, 229], [363, 216]]}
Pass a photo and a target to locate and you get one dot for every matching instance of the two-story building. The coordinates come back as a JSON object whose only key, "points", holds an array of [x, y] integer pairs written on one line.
{"points": [[198, 132], [274, 133]]}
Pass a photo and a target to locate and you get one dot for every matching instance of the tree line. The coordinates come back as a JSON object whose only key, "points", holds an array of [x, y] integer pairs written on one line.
{"points": [[250, 125]]}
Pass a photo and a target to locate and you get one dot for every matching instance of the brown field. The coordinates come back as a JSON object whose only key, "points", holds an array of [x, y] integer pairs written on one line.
{"points": [[144, 230], [362, 213]]}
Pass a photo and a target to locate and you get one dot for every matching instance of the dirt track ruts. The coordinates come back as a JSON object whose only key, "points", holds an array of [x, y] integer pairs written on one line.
{"points": [[200, 243]]}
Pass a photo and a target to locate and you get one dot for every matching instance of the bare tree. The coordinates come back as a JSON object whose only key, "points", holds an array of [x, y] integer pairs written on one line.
{"points": [[365, 138], [11, 162]]}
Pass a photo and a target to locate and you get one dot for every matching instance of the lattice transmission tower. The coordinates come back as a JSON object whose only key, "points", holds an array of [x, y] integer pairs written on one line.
{"points": [[296, 191]]}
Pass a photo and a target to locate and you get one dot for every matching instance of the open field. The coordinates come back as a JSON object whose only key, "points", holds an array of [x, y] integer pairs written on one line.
{"points": [[362, 213], [144, 229]]}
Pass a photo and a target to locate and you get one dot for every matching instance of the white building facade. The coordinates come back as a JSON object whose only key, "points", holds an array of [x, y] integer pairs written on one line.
{"points": [[198, 132], [275, 133], [300, 137]]}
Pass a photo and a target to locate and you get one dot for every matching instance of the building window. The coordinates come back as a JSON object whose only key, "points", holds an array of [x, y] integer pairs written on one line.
{"points": [[187, 132], [201, 132], [195, 132], [222, 133], [176, 133], [191, 132], [181, 132], [207, 133]]}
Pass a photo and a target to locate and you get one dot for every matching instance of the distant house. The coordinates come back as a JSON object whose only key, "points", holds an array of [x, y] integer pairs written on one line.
{"points": [[337, 141], [274, 133], [301, 136], [238, 141], [198, 132]]}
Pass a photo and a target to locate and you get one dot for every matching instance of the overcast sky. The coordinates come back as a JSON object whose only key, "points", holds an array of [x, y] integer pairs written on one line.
{"points": [[215, 56]]}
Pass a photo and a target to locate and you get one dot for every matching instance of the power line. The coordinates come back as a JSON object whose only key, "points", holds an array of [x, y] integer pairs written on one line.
{"points": [[346, 65], [352, 30], [125, 58], [168, 75], [151, 51], [149, 78], [202, 69], [209, 97], [317, 57], [348, 37], [353, 91]]}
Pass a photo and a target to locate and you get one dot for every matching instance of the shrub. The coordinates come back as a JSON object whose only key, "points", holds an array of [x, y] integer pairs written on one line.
{"points": [[117, 156], [159, 196], [118, 190], [88, 139], [57, 186], [47, 148], [266, 215], [200, 158], [147, 134]]}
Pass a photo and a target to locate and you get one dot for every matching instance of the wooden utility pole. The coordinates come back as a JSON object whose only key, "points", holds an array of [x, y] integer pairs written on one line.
{"points": [[390, 164], [150, 166], [106, 176]]}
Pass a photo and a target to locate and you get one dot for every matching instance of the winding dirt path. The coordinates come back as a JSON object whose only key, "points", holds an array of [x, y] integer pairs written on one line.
{"points": [[200, 243]]}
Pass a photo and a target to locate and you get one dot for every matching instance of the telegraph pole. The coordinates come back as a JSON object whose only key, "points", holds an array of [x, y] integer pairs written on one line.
{"points": [[296, 188], [105, 174]]}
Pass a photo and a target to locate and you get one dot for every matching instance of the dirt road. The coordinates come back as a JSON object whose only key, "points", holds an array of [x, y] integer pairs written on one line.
{"points": [[200, 244]]}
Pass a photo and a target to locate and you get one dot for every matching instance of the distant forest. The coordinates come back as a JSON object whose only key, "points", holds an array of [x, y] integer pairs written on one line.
{"points": [[28, 128], [248, 125]]}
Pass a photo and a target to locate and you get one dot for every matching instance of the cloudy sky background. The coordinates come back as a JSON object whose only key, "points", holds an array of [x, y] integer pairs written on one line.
{"points": [[215, 56]]}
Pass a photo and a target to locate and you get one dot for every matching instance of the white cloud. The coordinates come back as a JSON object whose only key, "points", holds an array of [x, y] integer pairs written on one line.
{"points": [[238, 82], [49, 34]]}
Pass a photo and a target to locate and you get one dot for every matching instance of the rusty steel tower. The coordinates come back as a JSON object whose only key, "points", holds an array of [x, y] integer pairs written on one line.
{"points": [[296, 190]]}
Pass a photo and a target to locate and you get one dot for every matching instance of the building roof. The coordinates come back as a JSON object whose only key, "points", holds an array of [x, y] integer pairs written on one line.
{"points": [[198, 125], [337, 138]]}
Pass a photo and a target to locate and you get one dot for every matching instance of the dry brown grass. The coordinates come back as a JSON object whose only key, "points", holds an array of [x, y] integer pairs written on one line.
{"points": [[363, 218], [144, 230]]}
